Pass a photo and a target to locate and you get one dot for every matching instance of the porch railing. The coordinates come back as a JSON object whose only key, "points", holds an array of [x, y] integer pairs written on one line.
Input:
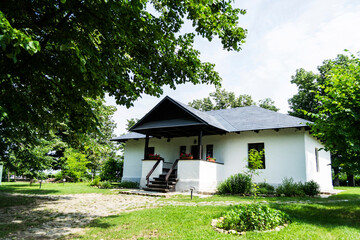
{"points": [[152, 170], [170, 171]]}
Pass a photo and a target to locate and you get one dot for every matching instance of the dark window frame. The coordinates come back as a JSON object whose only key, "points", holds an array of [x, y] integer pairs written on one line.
{"points": [[151, 150], [210, 150], [182, 150], [259, 147]]}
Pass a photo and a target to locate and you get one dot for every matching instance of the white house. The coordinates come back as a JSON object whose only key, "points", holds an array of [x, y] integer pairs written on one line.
{"points": [[172, 128]]}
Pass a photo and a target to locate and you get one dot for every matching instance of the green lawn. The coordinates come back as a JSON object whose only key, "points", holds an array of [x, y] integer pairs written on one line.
{"points": [[51, 188], [337, 217]]}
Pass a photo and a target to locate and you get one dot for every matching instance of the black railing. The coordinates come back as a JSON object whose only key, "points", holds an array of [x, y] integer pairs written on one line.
{"points": [[152, 170]]}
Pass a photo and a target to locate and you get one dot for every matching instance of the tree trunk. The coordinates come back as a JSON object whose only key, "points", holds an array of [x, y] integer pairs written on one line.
{"points": [[351, 179], [336, 181], [8, 173]]}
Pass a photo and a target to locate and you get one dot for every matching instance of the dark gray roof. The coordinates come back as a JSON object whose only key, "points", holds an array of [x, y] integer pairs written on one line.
{"points": [[128, 136], [203, 115], [240, 119], [255, 118]]}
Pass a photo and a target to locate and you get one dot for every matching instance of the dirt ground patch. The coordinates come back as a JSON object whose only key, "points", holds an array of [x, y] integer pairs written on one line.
{"points": [[62, 215]]}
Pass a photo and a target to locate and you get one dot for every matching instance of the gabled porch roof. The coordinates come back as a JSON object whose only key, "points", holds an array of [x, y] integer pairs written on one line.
{"points": [[170, 118]]}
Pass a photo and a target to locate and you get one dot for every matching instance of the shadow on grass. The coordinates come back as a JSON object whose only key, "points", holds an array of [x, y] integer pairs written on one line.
{"points": [[25, 189], [329, 215], [104, 222]]}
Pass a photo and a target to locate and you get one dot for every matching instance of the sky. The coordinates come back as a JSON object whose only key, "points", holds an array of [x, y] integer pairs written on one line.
{"points": [[283, 36]]}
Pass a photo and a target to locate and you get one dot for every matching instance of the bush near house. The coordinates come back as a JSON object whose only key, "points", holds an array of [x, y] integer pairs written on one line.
{"points": [[265, 188], [290, 188], [236, 184]]}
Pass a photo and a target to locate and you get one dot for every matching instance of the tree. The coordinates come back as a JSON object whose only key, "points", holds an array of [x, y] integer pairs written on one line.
{"points": [[268, 103], [314, 94], [56, 54], [222, 99], [131, 122], [337, 118]]}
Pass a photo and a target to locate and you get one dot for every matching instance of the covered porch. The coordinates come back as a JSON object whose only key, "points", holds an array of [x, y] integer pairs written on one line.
{"points": [[169, 130]]}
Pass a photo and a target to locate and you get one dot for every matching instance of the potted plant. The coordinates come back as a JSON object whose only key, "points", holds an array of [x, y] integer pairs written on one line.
{"points": [[154, 156], [210, 159], [186, 156]]}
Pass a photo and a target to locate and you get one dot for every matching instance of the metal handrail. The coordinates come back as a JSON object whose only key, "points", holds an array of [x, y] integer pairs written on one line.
{"points": [[152, 170], [170, 171]]}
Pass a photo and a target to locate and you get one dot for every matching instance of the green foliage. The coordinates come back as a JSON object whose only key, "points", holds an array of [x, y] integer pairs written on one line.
{"points": [[105, 184], [95, 182], [236, 184], [253, 217], [75, 164], [331, 99], [54, 57], [290, 188], [265, 188], [311, 188], [337, 119], [128, 184], [255, 161], [112, 169], [221, 99]]}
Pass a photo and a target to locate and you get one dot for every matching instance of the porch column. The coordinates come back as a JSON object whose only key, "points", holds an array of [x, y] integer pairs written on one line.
{"points": [[200, 144], [146, 151]]}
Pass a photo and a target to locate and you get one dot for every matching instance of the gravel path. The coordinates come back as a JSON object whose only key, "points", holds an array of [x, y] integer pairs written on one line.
{"points": [[61, 215]]}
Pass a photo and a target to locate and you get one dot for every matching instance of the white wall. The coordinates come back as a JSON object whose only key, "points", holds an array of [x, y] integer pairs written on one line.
{"points": [[285, 156], [323, 175], [133, 154], [201, 175]]}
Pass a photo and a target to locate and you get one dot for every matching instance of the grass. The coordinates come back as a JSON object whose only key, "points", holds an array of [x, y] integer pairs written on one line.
{"points": [[313, 218], [50, 188], [337, 217]]}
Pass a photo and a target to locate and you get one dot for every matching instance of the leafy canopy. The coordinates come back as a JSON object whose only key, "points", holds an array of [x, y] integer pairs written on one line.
{"points": [[222, 99], [330, 98], [337, 120], [54, 55]]}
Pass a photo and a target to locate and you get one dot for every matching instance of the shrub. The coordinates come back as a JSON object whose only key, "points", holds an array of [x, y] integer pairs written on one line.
{"points": [[128, 184], [265, 188], [311, 188], [95, 181], [290, 188], [253, 217], [236, 184], [105, 184], [112, 169]]}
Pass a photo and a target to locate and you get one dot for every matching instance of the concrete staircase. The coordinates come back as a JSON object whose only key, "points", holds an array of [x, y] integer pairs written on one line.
{"points": [[159, 184]]}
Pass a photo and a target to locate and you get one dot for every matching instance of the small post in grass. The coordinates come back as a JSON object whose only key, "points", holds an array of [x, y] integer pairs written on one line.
{"points": [[64, 180], [191, 191], [40, 183]]}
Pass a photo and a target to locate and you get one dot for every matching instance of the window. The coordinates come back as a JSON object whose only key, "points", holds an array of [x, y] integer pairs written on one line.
{"points": [[258, 147], [182, 150], [151, 150], [317, 159], [209, 150], [195, 151]]}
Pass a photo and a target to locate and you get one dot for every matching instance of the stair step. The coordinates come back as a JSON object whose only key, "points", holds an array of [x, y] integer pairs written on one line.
{"points": [[156, 189], [160, 186], [163, 182], [163, 179]]}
